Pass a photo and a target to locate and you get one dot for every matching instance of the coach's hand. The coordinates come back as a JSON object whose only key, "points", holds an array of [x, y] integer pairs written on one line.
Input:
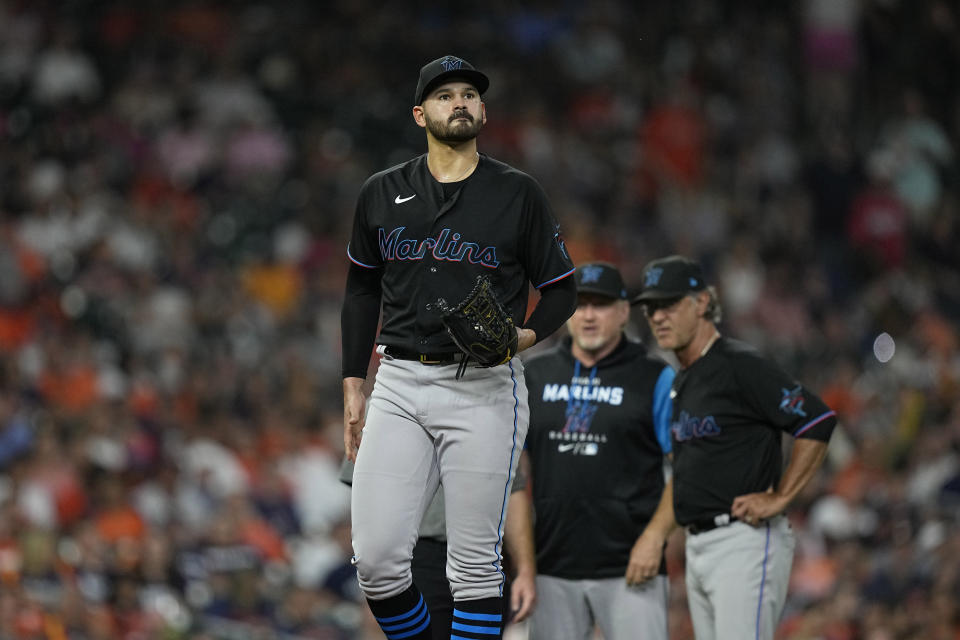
{"points": [[754, 508], [354, 415], [645, 557], [523, 595]]}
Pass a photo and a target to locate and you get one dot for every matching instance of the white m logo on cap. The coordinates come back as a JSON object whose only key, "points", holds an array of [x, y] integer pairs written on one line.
{"points": [[450, 63]]}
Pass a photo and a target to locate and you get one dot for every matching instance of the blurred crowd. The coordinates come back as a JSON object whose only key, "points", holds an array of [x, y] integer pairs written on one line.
{"points": [[177, 181]]}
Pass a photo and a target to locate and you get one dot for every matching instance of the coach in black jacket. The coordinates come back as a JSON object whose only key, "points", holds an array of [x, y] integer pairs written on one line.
{"points": [[599, 430]]}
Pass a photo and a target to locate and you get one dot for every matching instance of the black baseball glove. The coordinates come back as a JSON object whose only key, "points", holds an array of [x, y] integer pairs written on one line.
{"points": [[480, 326]]}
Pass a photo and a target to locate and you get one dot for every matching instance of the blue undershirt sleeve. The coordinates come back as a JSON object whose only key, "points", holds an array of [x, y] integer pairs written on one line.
{"points": [[663, 408]]}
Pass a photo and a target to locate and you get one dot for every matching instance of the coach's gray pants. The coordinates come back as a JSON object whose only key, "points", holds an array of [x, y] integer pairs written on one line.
{"points": [[569, 609], [423, 427], [737, 578]]}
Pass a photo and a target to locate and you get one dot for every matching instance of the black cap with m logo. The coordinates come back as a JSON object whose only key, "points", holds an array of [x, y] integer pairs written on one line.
{"points": [[447, 68]]}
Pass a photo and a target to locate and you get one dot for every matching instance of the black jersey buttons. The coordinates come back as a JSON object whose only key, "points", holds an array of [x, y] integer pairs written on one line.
{"points": [[433, 269]]}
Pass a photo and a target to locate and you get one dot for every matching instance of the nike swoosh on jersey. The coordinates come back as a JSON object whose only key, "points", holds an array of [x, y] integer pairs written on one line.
{"points": [[400, 200], [563, 448]]}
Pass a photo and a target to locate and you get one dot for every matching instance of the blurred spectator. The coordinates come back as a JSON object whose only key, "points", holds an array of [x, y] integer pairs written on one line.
{"points": [[64, 72], [672, 138], [878, 223], [920, 154]]}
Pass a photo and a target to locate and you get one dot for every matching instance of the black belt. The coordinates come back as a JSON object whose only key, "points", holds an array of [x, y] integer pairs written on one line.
{"points": [[442, 358], [709, 524]]}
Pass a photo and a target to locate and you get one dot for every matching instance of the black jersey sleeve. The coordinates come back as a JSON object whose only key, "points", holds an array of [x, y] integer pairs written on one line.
{"points": [[557, 302], [782, 401], [545, 255], [363, 249]]}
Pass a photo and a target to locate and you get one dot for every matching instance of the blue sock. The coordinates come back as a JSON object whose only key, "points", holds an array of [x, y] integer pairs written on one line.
{"points": [[477, 619]]}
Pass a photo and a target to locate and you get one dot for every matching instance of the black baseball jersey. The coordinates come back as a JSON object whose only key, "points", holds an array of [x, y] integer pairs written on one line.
{"points": [[497, 223], [596, 443], [730, 409]]}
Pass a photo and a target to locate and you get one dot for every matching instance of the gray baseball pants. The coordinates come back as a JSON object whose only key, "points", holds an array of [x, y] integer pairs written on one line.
{"points": [[737, 578], [424, 427], [570, 609]]}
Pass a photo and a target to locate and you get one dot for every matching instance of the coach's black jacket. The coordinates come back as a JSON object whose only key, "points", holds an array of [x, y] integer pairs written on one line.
{"points": [[597, 456]]}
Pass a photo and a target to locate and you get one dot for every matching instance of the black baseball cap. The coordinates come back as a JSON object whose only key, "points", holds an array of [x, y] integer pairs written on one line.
{"points": [[601, 278], [670, 277], [444, 69]]}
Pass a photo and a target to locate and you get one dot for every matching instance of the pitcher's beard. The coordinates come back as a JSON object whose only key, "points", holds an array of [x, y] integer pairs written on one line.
{"points": [[454, 131]]}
